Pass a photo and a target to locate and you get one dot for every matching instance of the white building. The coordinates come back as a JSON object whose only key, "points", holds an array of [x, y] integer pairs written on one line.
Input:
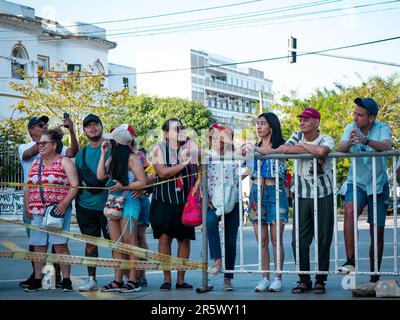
{"points": [[30, 43], [230, 93]]}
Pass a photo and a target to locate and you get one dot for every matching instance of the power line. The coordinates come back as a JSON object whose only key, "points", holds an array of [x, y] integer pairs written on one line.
{"points": [[200, 22], [161, 15], [392, 64], [227, 64]]}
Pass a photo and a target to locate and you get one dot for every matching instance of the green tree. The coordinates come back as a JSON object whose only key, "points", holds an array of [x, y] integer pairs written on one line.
{"points": [[56, 92]]}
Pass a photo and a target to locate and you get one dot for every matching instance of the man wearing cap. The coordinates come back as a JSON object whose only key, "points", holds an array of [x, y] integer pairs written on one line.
{"points": [[310, 140], [366, 134], [90, 202], [28, 152]]}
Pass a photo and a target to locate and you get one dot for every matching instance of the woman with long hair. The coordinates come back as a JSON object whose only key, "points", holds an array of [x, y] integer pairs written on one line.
{"points": [[126, 174], [172, 165], [269, 130]]}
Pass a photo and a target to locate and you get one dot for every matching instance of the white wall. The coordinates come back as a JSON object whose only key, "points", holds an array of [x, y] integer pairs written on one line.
{"points": [[115, 83]]}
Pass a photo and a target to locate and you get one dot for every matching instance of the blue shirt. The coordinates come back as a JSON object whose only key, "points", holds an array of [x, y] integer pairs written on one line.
{"points": [[379, 132]]}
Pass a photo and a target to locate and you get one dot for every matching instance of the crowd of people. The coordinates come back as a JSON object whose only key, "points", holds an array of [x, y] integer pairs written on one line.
{"points": [[114, 160]]}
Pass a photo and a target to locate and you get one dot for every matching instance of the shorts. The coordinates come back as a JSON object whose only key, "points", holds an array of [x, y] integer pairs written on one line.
{"points": [[40, 238], [131, 206], [268, 204], [166, 218], [92, 222], [382, 202], [144, 214]]}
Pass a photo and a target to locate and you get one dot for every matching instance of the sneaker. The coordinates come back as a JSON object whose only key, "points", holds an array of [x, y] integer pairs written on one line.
{"points": [[214, 270], [35, 285], [184, 285], [66, 285], [263, 285], [348, 266], [276, 285], [90, 285], [27, 282], [228, 285], [58, 280], [303, 287], [141, 282]]}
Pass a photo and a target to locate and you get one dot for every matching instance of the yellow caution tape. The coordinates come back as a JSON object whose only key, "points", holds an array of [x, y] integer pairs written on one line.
{"points": [[118, 246], [30, 185], [89, 261]]}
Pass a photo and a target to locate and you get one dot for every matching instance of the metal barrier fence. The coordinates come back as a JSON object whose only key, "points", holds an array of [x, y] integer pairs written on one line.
{"points": [[12, 169], [334, 157]]}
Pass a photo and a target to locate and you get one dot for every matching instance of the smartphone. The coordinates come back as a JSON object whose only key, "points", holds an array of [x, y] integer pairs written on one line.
{"points": [[66, 116]]}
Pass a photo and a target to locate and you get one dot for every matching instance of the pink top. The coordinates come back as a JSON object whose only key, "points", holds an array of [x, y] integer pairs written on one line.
{"points": [[54, 174]]}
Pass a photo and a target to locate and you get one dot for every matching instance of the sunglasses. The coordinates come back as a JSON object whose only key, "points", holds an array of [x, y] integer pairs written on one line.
{"points": [[43, 143], [180, 128]]}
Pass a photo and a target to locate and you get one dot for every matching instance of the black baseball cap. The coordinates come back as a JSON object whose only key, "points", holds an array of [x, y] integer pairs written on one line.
{"points": [[367, 103], [91, 118], [35, 120]]}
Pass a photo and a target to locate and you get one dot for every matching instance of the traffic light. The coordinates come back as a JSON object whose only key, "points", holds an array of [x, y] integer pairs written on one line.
{"points": [[292, 49]]}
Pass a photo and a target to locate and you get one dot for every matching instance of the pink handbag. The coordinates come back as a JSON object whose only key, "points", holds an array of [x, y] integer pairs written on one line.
{"points": [[192, 212]]}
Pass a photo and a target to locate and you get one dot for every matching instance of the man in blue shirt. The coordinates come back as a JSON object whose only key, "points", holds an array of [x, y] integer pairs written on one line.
{"points": [[366, 135], [90, 202]]}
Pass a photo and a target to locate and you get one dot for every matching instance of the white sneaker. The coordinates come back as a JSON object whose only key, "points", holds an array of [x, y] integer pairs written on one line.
{"points": [[90, 285], [214, 270], [276, 285], [263, 285]]}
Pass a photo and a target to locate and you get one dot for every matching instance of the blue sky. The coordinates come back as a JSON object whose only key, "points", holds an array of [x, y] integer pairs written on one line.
{"points": [[262, 39]]}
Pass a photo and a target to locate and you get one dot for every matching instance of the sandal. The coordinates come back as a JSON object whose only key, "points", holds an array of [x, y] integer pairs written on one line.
{"points": [[111, 286], [319, 288], [130, 287], [302, 287]]}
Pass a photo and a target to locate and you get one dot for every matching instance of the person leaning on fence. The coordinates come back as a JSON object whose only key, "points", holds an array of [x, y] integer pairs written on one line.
{"points": [[90, 202], [51, 168], [168, 200], [310, 140], [221, 142], [366, 134], [27, 153], [269, 130], [126, 174]]}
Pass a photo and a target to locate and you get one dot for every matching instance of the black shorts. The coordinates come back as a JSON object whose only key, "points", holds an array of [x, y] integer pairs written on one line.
{"points": [[166, 218], [92, 222]]}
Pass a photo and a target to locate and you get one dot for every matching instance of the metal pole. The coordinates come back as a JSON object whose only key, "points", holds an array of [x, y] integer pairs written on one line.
{"points": [[315, 189], [259, 214], [335, 226], [278, 220], [204, 253], [355, 213], [375, 214], [296, 212], [240, 218], [223, 214], [260, 98]]}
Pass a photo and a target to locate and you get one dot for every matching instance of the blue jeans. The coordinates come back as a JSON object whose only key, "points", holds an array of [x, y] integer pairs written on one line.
{"points": [[231, 229]]}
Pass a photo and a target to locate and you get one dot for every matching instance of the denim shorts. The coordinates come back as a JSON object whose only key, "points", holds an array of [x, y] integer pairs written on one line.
{"points": [[268, 204], [40, 238], [144, 214], [382, 202], [131, 205]]}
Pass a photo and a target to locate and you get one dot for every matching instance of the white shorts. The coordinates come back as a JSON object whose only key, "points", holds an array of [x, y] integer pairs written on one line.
{"points": [[40, 238]]}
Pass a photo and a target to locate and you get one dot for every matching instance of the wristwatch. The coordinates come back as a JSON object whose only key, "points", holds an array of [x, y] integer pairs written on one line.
{"points": [[366, 142]]}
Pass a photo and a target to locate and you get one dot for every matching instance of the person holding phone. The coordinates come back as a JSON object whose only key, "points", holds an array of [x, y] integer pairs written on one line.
{"points": [[126, 174]]}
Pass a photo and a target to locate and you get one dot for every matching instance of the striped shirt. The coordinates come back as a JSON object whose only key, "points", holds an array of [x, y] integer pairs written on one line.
{"points": [[305, 168], [170, 192]]}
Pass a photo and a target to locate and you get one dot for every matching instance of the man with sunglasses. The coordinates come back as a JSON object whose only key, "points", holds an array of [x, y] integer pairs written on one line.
{"points": [[28, 152], [366, 134]]}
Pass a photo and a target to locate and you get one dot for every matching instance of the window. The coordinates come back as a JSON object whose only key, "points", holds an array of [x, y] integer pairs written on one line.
{"points": [[125, 83], [19, 59], [43, 66], [74, 67], [97, 67]]}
